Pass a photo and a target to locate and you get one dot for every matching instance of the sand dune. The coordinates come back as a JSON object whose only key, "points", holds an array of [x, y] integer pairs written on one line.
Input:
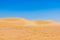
{"points": [[46, 23], [14, 22], [22, 29]]}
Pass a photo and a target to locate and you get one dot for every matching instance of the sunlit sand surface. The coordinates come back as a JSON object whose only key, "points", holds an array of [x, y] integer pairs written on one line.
{"points": [[22, 29]]}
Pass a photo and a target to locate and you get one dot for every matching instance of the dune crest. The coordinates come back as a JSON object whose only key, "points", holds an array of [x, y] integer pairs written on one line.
{"points": [[24, 22], [43, 21], [15, 22]]}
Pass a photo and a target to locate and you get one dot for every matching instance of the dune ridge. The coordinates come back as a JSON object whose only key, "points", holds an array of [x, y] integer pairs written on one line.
{"points": [[22, 29], [14, 22], [23, 22]]}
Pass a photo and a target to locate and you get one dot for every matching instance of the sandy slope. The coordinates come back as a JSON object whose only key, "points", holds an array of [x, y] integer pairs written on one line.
{"points": [[22, 29]]}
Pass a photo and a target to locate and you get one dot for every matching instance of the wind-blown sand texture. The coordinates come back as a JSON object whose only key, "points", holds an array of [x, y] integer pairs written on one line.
{"points": [[22, 29]]}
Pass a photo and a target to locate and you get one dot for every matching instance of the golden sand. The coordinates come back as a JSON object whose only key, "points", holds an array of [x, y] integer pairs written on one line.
{"points": [[22, 29]]}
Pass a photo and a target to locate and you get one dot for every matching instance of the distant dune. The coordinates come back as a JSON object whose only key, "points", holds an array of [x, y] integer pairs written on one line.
{"points": [[22, 29]]}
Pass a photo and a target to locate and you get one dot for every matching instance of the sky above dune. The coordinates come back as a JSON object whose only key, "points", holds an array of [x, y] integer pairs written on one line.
{"points": [[31, 9]]}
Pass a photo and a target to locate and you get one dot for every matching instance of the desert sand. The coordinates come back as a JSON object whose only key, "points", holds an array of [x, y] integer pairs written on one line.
{"points": [[22, 29]]}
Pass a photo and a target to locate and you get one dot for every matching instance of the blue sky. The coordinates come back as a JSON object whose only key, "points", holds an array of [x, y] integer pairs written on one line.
{"points": [[31, 9]]}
